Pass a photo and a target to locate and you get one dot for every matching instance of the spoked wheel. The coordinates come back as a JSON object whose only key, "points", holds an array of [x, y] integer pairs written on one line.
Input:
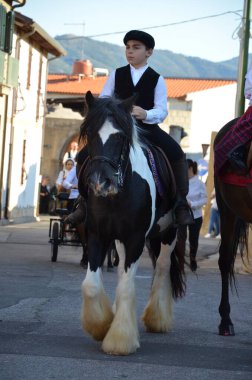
{"points": [[55, 242]]}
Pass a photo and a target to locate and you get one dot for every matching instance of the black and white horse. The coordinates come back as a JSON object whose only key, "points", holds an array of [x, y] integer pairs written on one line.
{"points": [[123, 206]]}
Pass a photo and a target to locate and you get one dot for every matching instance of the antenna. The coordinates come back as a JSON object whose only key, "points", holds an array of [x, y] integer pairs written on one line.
{"points": [[83, 33]]}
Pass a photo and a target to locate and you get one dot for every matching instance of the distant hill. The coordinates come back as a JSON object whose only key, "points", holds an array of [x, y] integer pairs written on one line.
{"points": [[167, 63]]}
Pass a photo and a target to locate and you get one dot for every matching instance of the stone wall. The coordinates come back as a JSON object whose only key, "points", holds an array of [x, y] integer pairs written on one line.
{"points": [[61, 128]]}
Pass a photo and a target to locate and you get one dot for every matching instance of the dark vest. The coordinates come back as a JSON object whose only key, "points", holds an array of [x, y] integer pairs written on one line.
{"points": [[124, 87]]}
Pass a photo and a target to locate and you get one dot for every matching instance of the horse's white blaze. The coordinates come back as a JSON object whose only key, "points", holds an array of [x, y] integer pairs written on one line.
{"points": [[106, 130], [96, 314], [140, 165], [122, 337], [157, 315]]}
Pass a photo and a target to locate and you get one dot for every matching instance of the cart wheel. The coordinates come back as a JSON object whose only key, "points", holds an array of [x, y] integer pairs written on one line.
{"points": [[55, 242]]}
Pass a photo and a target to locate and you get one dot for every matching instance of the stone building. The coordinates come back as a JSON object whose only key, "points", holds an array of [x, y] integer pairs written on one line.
{"points": [[62, 127]]}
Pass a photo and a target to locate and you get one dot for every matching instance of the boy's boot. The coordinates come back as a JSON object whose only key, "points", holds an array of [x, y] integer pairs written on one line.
{"points": [[181, 211], [79, 215]]}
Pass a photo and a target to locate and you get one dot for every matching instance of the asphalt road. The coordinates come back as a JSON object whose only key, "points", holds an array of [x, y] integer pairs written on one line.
{"points": [[41, 337]]}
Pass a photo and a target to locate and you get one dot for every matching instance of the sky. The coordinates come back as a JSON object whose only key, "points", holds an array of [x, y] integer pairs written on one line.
{"points": [[212, 38]]}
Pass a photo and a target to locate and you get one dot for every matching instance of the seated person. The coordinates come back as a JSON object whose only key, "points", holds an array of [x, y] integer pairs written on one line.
{"points": [[71, 183], [68, 165]]}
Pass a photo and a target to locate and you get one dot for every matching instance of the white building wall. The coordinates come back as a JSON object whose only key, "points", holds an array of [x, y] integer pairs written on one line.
{"points": [[211, 110], [23, 198]]}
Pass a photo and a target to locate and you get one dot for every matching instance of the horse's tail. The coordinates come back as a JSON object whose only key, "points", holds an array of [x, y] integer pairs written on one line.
{"points": [[177, 272], [240, 242]]}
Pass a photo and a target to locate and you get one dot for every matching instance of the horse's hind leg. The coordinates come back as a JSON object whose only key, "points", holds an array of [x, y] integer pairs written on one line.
{"points": [[226, 327], [122, 337], [96, 314], [226, 264], [157, 315]]}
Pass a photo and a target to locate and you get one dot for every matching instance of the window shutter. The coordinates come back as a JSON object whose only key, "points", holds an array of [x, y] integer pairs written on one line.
{"points": [[10, 18], [2, 26]]}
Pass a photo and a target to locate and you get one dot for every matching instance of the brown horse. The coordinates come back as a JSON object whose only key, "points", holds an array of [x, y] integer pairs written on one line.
{"points": [[235, 207]]}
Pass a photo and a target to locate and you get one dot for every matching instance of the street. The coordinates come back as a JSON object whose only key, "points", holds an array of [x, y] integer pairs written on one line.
{"points": [[41, 337]]}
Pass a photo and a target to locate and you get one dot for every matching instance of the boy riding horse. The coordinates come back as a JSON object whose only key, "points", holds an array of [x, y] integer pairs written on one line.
{"points": [[149, 110]]}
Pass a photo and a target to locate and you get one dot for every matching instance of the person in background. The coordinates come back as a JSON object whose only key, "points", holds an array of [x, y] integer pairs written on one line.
{"points": [[71, 183], [72, 152], [44, 196], [214, 221], [196, 198], [68, 165]]}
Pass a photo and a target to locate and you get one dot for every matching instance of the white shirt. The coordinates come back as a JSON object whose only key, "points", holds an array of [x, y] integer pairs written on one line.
{"points": [[70, 180], [62, 174], [197, 196], [159, 112]]}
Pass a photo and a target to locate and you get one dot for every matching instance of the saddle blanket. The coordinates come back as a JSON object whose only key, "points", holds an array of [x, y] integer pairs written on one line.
{"points": [[235, 179]]}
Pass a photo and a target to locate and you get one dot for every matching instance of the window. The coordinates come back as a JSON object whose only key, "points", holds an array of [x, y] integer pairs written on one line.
{"points": [[23, 171], [2, 26], [28, 83], [39, 87]]}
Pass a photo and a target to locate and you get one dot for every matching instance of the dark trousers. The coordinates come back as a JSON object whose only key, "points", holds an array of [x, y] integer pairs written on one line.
{"points": [[155, 135], [194, 230]]}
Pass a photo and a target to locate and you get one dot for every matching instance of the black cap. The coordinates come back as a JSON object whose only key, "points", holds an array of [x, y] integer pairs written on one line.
{"points": [[138, 35]]}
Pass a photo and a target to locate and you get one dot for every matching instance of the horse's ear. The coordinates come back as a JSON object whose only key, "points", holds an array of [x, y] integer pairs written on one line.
{"points": [[90, 99], [128, 103]]}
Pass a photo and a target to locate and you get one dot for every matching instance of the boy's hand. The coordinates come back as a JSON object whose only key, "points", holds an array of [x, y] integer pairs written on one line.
{"points": [[139, 113]]}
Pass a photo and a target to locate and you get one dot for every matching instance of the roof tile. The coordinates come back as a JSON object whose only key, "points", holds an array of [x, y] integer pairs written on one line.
{"points": [[176, 87]]}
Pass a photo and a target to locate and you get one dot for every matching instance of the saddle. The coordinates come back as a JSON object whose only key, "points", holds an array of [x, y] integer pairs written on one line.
{"points": [[241, 163], [161, 171], [234, 176]]}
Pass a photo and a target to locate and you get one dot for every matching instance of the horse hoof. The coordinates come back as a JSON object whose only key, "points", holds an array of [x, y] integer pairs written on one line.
{"points": [[226, 330], [193, 265]]}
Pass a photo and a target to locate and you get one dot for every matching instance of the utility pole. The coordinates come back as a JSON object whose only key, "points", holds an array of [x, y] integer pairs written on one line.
{"points": [[82, 40], [243, 59]]}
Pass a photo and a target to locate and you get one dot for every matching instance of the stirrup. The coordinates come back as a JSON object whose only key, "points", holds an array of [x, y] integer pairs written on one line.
{"points": [[182, 214]]}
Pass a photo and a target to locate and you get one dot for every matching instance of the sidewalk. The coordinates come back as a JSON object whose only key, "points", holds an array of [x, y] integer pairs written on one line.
{"points": [[208, 255]]}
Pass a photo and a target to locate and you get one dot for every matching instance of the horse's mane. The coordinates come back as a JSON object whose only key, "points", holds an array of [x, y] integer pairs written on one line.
{"points": [[109, 108]]}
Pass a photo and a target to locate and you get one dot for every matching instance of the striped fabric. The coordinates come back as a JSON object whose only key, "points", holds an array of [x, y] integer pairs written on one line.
{"points": [[239, 134]]}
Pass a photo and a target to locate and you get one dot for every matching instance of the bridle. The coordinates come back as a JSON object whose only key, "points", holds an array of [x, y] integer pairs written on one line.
{"points": [[120, 166]]}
